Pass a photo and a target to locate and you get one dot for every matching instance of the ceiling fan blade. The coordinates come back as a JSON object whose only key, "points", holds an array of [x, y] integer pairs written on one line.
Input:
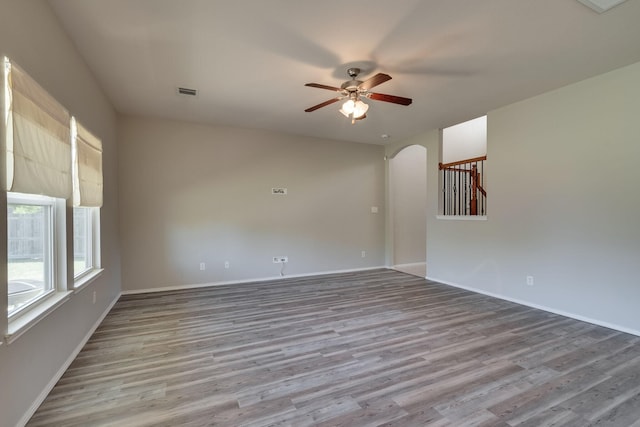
{"points": [[375, 81], [390, 98], [324, 104], [319, 86]]}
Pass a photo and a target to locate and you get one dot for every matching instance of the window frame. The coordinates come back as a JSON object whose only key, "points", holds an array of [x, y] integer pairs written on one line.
{"points": [[88, 252], [93, 269], [50, 252], [20, 321]]}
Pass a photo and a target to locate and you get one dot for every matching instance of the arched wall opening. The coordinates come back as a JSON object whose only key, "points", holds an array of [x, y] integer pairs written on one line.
{"points": [[408, 209]]}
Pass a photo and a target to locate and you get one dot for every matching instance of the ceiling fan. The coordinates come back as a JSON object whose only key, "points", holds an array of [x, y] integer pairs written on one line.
{"points": [[353, 90]]}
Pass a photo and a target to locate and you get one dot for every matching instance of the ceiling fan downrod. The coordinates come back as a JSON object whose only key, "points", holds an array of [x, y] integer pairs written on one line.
{"points": [[352, 85], [353, 72]]}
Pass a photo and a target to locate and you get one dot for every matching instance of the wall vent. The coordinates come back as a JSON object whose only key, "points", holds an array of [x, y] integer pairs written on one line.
{"points": [[601, 6], [187, 91]]}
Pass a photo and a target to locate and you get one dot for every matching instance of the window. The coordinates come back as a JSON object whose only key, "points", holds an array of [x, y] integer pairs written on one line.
{"points": [[86, 152], [30, 249], [50, 161], [81, 241], [86, 248]]}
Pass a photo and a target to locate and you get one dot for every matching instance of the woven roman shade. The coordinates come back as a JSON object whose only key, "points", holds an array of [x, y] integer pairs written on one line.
{"points": [[87, 182], [38, 138]]}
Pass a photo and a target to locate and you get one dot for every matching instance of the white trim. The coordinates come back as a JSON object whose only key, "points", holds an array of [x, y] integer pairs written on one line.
{"points": [[462, 217], [87, 277], [411, 264], [34, 314], [24, 317], [59, 246], [30, 199], [92, 222], [541, 307], [243, 281], [47, 389]]}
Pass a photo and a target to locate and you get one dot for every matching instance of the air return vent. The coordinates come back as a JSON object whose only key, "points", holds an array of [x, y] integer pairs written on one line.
{"points": [[187, 91], [601, 6]]}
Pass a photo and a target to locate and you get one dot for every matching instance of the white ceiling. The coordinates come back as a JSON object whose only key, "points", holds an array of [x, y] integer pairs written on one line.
{"points": [[249, 59]]}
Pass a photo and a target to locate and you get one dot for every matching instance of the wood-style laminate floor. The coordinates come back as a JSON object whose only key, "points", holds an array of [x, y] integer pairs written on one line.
{"points": [[359, 349]]}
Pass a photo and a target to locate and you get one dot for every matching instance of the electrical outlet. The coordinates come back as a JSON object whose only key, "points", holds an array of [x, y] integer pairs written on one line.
{"points": [[202, 266], [364, 254], [280, 259], [530, 280], [226, 264]]}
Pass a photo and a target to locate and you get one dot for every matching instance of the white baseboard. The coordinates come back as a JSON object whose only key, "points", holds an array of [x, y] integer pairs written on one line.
{"points": [[409, 265], [243, 281], [541, 307], [47, 389]]}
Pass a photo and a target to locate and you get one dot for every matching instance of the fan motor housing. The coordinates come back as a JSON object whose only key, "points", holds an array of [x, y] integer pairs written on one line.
{"points": [[351, 85]]}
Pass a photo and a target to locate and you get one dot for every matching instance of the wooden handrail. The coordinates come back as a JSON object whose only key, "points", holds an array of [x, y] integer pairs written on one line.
{"points": [[462, 186], [461, 162]]}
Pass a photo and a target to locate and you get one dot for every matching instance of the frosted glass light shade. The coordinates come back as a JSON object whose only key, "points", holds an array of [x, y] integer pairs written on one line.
{"points": [[359, 109], [347, 108], [355, 108]]}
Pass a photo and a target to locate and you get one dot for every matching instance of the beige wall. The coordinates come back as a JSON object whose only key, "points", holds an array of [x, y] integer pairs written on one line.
{"points": [[562, 175], [431, 142], [193, 193], [464, 141], [408, 204], [31, 36]]}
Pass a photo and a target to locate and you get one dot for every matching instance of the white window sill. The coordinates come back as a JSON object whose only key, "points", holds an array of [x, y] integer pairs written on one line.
{"points": [[462, 217], [32, 316], [81, 282]]}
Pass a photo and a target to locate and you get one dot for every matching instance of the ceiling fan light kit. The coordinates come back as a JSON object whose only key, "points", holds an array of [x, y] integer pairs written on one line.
{"points": [[352, 90], [354, 108]]}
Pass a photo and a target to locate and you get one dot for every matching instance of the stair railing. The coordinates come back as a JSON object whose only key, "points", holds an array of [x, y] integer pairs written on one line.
{"points": [[463, 190]]}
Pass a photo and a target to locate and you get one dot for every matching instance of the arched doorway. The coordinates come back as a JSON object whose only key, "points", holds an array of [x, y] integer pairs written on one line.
{"points": [[408, 203]]}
